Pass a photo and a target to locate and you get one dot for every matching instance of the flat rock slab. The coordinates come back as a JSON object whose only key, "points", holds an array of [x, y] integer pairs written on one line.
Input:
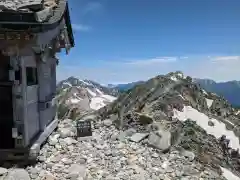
{"points": [[19, 174], [138, 137]]}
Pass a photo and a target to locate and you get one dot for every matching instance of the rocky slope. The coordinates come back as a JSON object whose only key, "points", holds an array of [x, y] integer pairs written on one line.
{"points": [[176, 107], [110, 154], [77, 97]]}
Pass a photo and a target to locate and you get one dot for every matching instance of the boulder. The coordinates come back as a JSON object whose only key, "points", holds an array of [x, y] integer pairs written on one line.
{"points": [[188, 154], [77, 171], [145, 119], [107, 122], [160, 139]]}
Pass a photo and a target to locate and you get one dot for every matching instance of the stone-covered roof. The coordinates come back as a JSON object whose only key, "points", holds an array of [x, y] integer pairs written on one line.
{"points": [[26, 5]]}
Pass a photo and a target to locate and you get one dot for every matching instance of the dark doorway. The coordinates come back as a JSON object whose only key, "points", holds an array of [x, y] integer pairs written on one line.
{"points": [[6, 105]]}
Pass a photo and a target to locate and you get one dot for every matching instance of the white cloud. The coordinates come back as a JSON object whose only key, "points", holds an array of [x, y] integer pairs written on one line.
{"points": [[129, 71], [153, 61], [226, 58], [81, 27]]}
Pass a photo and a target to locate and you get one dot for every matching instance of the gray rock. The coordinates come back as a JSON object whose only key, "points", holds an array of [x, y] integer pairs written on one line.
{"points": [[89, 117], [19, 174], [64, 132], [210, 123], [145, 119], [53, 140], [70, 141], [190, 155], [107, 122], [113, 117], [81, 161], [77, 171], [43, 15], [138, 137], [49, 165], [130, 131], [160, 139], [3, 171], [122, 136], [36, 5], [66, 161]]}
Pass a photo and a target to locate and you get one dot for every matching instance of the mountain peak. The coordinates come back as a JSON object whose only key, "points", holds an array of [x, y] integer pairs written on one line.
{"points": [[82, 96]]}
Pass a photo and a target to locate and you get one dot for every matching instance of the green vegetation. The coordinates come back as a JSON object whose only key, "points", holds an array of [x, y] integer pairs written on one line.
{"points": [[62, 110]]}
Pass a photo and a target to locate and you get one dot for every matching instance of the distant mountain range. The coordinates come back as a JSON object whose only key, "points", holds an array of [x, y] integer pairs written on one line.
{"points": [[230, 90], [125, 87]]}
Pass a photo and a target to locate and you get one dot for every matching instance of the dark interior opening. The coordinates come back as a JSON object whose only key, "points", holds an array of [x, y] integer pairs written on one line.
{"points": [[31, 73], [6, 106]]}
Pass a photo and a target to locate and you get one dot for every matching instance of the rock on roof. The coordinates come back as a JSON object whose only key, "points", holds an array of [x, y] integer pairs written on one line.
{"points": [[26, 5]]}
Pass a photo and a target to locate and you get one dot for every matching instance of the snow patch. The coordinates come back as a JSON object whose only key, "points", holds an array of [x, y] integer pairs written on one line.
{"points": [[109, 98], [66, 83], [85, 82], [229, 175], [201, 119], [181, 75], [74, 100], [173, 78], [238, 112], [100, 92], [209, 102], [91, 92], [97, 103]]}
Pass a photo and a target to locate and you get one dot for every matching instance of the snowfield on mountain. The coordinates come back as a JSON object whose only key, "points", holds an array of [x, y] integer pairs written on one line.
{"points": [[81, 96], [202, 120]]}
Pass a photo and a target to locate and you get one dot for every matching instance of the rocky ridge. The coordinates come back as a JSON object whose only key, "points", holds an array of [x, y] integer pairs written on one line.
{"points": [[194, 118]]}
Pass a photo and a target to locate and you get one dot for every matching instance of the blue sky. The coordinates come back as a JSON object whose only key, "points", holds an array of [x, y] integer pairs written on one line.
{"points": [[127, 40]]}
